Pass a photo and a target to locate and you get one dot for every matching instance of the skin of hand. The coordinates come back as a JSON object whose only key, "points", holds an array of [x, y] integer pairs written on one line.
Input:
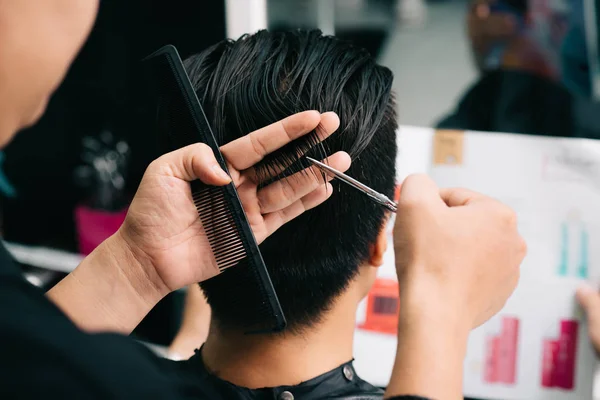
{"points": [[162, 226], [458, 257], [589, 299], [162, 246]]}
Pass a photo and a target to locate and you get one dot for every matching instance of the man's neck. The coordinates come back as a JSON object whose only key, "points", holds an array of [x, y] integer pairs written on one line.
{"points": [[284, 360]]}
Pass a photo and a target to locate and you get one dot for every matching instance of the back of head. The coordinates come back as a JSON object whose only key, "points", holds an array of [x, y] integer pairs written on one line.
{"points": [[246, 84]]}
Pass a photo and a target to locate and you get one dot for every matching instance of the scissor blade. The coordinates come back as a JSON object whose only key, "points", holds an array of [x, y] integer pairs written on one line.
{"points": [[346, 179], [378, 197], [340, 175], [326, 167]]}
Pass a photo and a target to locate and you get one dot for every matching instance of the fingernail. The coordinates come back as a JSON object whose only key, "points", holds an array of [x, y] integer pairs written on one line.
{"points": [[220, 173]]}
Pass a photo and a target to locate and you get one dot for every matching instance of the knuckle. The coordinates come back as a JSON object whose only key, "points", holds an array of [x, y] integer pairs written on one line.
{"points": [[288, 191], [262, 200], [159, 166], [509, 216], [281, 217], [201, 148], [257, 146], [522, 247]]}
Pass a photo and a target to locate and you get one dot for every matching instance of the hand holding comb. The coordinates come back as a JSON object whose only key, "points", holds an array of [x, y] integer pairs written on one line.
{"points": [[184, 124]]}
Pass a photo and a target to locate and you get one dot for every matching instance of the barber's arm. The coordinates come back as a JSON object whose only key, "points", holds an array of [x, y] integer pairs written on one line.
{"points": [[161, 246], [458, 255]]}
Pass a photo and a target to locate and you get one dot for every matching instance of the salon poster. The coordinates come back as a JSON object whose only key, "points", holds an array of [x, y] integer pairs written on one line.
{"points": [[537, 347]]}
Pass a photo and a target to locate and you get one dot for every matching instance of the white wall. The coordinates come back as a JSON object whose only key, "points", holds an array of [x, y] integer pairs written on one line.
{"points": [[245, 16]]}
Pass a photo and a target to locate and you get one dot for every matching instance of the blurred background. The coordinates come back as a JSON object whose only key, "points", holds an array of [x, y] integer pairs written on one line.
{"points": [[517, 66]]}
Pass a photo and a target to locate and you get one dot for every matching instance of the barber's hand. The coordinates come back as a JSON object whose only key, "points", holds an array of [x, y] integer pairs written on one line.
{"points": [[589, 299], [162, 227], [457, 257], [458, 252]]}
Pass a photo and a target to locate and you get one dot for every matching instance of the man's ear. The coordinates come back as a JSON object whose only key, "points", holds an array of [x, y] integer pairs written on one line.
{"points": [[378, 248]]}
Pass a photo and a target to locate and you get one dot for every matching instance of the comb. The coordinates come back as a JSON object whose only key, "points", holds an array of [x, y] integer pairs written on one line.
{"points": [[181, 122]]}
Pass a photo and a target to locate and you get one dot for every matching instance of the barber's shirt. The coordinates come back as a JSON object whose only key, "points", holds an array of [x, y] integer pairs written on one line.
{"points": [[44, 355]]}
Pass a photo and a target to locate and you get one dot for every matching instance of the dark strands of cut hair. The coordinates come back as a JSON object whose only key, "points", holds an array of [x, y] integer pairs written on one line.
{"points": [[290, 159], [249, 83]]}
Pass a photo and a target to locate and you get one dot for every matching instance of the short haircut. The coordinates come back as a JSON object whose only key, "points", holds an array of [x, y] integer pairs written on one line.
{"points": [[259, 79]]}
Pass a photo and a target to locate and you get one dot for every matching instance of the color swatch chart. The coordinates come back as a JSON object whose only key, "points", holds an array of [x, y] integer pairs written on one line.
{"points": [[559, 355], [501, 353]]}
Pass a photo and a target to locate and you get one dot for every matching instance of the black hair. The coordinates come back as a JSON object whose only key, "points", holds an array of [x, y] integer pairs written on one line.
{"points": [[251, 82]]}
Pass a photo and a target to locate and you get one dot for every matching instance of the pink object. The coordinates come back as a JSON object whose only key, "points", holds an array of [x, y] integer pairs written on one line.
{"points": [[496, 356], [501, 353], [95, 226], [490, 372], [567, 348], [550, 349], [559, 356], [507, 362]]}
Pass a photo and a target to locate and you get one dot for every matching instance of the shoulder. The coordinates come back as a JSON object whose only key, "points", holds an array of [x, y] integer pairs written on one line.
{"points": [[73, 364], [192, 378]]}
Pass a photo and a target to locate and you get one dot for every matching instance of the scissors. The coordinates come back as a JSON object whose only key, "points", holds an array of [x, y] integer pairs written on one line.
{"points": [[373, 194]]}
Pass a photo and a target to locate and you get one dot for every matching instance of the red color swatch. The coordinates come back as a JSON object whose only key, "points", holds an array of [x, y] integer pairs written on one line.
{"points": [[559, 357], [383, 305]]}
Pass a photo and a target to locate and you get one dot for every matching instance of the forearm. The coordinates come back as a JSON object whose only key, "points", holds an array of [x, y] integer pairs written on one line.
{"points": [[430, 353], [109, 291]]}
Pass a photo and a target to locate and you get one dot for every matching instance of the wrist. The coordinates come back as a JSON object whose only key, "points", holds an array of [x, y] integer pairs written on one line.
{"points": [[111, 290], [428, 305], [136, 269], [432, 342], [429, 360]]}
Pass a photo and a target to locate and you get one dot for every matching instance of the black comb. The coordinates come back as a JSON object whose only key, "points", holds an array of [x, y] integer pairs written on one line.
{"points": [[181, 122]]}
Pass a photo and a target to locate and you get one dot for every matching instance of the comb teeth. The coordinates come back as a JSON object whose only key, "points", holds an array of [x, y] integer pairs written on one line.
{"points": [[225, 240]]}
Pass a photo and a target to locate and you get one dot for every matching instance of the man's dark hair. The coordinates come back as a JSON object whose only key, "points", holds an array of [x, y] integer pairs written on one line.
{"points": [[249, 83]]}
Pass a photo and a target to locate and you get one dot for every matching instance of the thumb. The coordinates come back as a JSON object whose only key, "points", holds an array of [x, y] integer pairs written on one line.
{"points": [[417, 190], [589, 299], [189, 163], [456, 197]]}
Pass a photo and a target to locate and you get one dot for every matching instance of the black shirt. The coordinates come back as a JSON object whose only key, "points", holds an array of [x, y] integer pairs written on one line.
{"points": [[44, 355], [339, 383]]}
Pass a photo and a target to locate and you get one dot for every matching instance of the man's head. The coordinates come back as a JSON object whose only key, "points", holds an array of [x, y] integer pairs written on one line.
{"points": [[38, 42], [259, 79]]}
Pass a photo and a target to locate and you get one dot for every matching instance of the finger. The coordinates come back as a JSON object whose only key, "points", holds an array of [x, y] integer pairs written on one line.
{"points": [[285, 192], [456, 197], [589, 299], [189, 163], [275, 220], [329, 123], [419, 189], [246, 151]]}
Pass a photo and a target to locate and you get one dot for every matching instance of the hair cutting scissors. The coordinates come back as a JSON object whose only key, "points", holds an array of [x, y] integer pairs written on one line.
{"points": [[373, 194]]}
